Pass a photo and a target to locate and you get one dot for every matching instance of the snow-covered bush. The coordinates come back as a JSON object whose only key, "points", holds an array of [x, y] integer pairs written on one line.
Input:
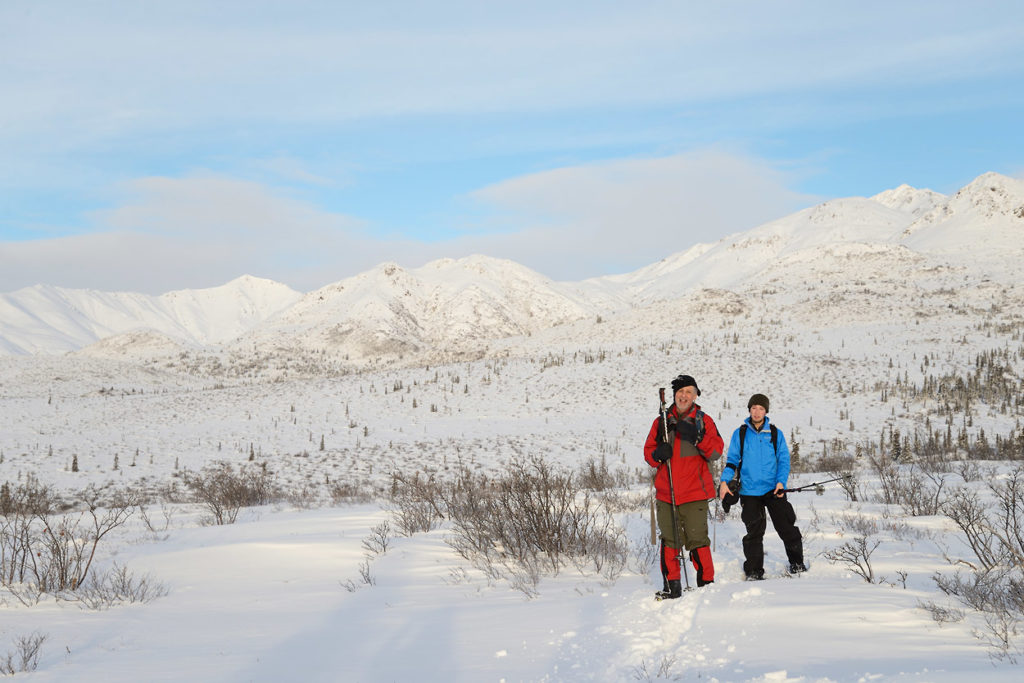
{"points": [[43, 551], [529, 521], [993, 529], [224, 491], [26, 654], [116, 586]]}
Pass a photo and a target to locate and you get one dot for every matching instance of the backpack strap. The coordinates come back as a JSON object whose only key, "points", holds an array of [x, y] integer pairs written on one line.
{"points": [[743, 437], [775, 437]]}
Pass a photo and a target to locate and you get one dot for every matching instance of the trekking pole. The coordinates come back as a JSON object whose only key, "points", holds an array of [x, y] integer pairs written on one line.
{"points": [[798, 489], [672, 488], [714, 528], [654, 526]]}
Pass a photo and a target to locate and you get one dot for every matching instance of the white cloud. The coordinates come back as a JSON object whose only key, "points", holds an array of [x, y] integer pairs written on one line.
{"points": [[568, 223], [175, 233], [619, 215]]}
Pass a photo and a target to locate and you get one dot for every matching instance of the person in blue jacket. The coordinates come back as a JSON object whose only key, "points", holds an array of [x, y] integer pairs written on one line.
{"points": [[760, 482]]}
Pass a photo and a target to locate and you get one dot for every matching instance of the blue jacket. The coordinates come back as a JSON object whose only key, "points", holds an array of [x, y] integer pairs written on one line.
{"points": [[762, 467]]}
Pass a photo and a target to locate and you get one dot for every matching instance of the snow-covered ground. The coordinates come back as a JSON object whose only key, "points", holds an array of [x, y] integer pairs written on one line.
{"points": [[264, 600], [271, 597]]}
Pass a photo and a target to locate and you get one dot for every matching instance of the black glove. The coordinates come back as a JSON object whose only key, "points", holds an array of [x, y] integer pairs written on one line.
{"points": [[662, 453], [732, 497], [686, 430]]}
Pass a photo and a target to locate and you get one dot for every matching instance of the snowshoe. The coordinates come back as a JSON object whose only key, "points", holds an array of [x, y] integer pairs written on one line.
{"points": [[671, 591]]}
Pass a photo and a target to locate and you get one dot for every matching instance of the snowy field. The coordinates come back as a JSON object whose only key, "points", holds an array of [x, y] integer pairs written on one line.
{"points": [[262, 600], [291, 591]]}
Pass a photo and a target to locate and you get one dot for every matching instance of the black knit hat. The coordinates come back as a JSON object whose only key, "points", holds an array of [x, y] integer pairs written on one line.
{"points": [[684, 381], [758, 400]]}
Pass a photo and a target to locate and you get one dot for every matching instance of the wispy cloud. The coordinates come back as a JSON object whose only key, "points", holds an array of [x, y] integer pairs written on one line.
{"points": [[194, 63], [568, 223], [616, 216], [171, 233]]}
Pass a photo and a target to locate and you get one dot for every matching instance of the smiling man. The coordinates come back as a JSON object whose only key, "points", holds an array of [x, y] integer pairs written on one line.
{"points": [[681, 446]]}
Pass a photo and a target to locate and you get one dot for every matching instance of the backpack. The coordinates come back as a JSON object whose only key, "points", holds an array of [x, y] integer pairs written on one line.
{"points": [[698, 420]]}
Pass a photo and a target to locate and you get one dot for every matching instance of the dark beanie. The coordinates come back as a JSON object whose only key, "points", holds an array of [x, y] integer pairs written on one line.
{"points": [[684, 381], [758, 400]]}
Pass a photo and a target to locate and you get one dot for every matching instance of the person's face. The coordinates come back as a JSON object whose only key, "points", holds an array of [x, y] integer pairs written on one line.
{"points": [[757, 413], [684, 399]]}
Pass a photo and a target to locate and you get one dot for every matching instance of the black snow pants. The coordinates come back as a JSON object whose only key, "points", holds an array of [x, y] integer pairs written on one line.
{"points": [[783, 519]]}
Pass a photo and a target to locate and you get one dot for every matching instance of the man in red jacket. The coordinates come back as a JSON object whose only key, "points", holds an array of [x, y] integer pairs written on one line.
{"points": [[692, 442]]}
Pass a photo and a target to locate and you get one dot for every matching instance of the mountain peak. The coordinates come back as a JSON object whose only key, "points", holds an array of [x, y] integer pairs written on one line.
{"points": [[991, 195], [910, 199]]}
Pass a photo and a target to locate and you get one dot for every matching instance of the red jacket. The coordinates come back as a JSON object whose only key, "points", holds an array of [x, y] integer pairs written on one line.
{"points": [[691, 476]]}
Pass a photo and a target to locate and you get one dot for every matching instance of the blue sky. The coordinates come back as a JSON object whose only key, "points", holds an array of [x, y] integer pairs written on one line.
{"points": [[158, 146]]}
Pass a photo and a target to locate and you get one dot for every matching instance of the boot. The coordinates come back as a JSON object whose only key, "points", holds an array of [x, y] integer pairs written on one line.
{"points": [[673, 589]]}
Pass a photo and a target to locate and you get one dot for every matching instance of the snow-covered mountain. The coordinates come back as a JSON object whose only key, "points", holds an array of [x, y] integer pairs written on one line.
{"points": [[453, 304], [46, 319], [986, 216], [897, 244]]}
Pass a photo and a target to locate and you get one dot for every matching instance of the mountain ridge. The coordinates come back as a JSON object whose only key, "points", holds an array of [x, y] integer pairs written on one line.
{"points": [[463, 305]]}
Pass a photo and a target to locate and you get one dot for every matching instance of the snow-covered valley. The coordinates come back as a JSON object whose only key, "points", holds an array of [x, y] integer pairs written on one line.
{"points": [[863, 318]]}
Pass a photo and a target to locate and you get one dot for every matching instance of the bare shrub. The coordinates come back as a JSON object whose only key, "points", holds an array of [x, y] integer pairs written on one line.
{"points": [[856, 523], [994, 532], [529, 522], [365, 575], [157, 528], [1000, 600], [379, 540], [663, 672], [616, 501], [642, 556], [26, 654], [223, 490], [922, 491], [969, 470], [304, 497], [856, 555], [941, 613], [888, 477], [595, 475], [965, 508], [42, 551], [118, 586], [345, 492], [841, 466], [416, 503]]}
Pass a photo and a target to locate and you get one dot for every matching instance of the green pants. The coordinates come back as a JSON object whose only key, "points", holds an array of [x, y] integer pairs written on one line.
{"points": [[692, 519]]}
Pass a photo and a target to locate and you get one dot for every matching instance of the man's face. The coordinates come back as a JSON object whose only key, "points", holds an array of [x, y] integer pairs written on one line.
{"points": [[684, 399], [757, 413]]}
